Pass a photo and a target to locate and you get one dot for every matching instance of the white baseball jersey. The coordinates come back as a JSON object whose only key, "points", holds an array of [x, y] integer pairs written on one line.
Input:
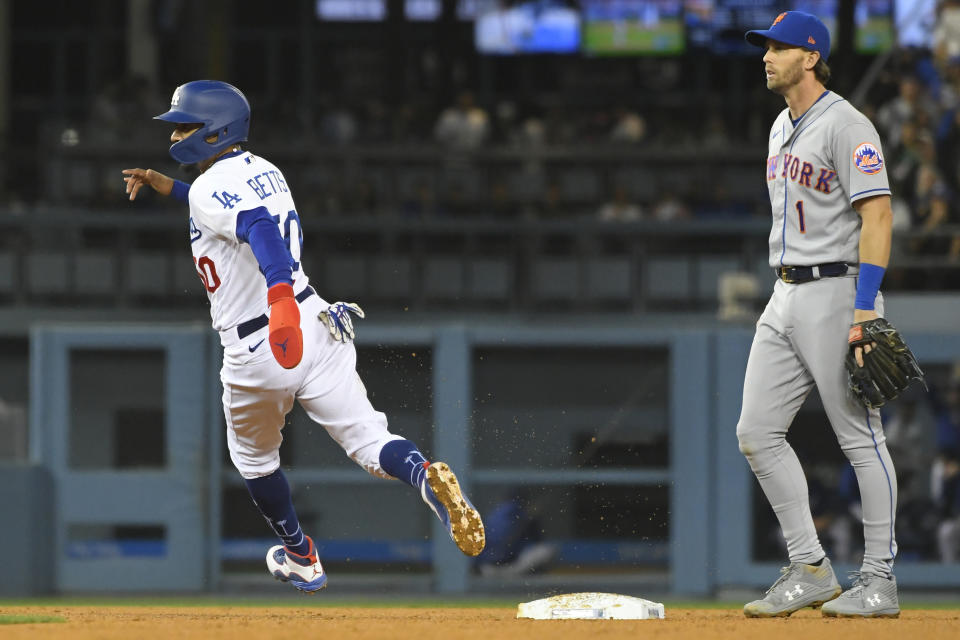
{"points": [[257, 392], [816, 168], [230, 272]]}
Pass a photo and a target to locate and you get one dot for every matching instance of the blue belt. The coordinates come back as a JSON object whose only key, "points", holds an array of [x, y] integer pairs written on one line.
{"points": [[797, 275], [255, 324]]}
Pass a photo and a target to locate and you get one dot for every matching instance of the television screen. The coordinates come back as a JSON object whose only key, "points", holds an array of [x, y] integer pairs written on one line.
{"points": [[351, 10], [469, 9], [915, 20], [535, 26], [698, 23], [873, 24], [422, 10], [630, 27], [429, 10], [719, 25]]}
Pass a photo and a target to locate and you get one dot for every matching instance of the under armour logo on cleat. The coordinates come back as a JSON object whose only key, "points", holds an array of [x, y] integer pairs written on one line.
{"points": [[795, 592], [874, 600], [283, 345]]}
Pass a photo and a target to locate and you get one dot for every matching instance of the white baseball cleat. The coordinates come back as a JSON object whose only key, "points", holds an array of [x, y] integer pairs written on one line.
{"points": [[441, 491], [304, 572]]}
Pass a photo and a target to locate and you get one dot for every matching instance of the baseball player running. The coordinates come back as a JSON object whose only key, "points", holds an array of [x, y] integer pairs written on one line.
{"points": [[829, 245], [281, 341]]}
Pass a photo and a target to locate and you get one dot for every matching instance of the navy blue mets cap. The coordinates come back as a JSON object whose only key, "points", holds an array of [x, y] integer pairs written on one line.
{"points": [[795, 28]]}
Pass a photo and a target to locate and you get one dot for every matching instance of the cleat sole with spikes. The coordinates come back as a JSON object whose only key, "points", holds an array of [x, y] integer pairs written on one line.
{"points": [[466, 526]]}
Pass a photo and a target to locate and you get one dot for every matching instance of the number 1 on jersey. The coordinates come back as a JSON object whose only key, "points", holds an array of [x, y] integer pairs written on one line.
{"points": [[803, 226]]}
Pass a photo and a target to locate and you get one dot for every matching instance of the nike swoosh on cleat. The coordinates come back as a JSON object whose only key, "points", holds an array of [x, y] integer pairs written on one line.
{"points": [[254, 347]]}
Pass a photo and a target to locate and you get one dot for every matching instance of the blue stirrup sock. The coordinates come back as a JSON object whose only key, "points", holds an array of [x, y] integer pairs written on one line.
{"points": [[272, 496], [402, 460]]}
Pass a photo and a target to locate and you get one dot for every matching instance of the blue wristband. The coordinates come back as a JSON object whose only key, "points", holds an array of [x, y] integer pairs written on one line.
{"points": [[180, 191], [868, 284]]}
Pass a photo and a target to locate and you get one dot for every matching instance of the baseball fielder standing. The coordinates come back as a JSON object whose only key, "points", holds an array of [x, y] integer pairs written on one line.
{"points": [[281, 341], [829, 244]]}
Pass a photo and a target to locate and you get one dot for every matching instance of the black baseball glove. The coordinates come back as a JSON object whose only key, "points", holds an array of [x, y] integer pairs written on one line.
{"points": [[887, 368]]}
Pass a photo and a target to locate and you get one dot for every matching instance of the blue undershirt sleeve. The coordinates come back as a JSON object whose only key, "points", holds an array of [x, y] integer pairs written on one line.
{"points": [[180, 191], [257, 228]]}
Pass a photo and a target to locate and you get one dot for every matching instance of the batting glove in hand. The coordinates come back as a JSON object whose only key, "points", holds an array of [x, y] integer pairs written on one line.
{"points": [[887, 368], [286, 338], [338, 320]]}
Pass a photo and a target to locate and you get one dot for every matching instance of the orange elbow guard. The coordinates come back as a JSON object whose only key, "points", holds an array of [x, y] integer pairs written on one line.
{"points": [[286, 338]]}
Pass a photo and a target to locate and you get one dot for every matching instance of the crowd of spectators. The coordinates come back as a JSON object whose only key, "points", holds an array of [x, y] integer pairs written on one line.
{"points": [[920, 126], [459, 174]]}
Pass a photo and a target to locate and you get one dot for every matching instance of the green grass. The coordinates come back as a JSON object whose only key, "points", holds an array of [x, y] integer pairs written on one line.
{"points": [[29, 619], [349, 601], [293, 600]]}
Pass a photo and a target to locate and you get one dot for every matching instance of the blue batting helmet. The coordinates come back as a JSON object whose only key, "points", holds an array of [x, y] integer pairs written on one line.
{"points": [[221, 110]]}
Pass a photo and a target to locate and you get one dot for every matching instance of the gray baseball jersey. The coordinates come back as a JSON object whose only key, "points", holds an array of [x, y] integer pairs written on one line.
{"points": [[816, 168]]}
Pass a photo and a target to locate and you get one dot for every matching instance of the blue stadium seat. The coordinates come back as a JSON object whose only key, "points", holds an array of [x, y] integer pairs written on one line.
{"points": [[186, 280], [343, 277], [47, 272], [641, 184], [391, 277], [490, 279], [555, 279], [668, 278], [95, 272], [581, 185], [8, 272], [443, 278], [608, 279], [148, 273], [709, 270]]}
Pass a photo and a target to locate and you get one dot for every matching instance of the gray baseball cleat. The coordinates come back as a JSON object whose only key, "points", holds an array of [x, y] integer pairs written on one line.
{"points": [[799, 586], [871, 596]]}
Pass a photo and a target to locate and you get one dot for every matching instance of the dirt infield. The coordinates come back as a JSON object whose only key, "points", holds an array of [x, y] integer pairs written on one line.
{"points": [[362, 623]]}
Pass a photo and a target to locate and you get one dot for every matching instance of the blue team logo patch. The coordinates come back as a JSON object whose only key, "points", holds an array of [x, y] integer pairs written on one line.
{"points": [[868, 159], [194, 232]]}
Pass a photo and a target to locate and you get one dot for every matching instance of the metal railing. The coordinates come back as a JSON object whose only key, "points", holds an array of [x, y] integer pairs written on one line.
{"points": [[63, 257]]}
